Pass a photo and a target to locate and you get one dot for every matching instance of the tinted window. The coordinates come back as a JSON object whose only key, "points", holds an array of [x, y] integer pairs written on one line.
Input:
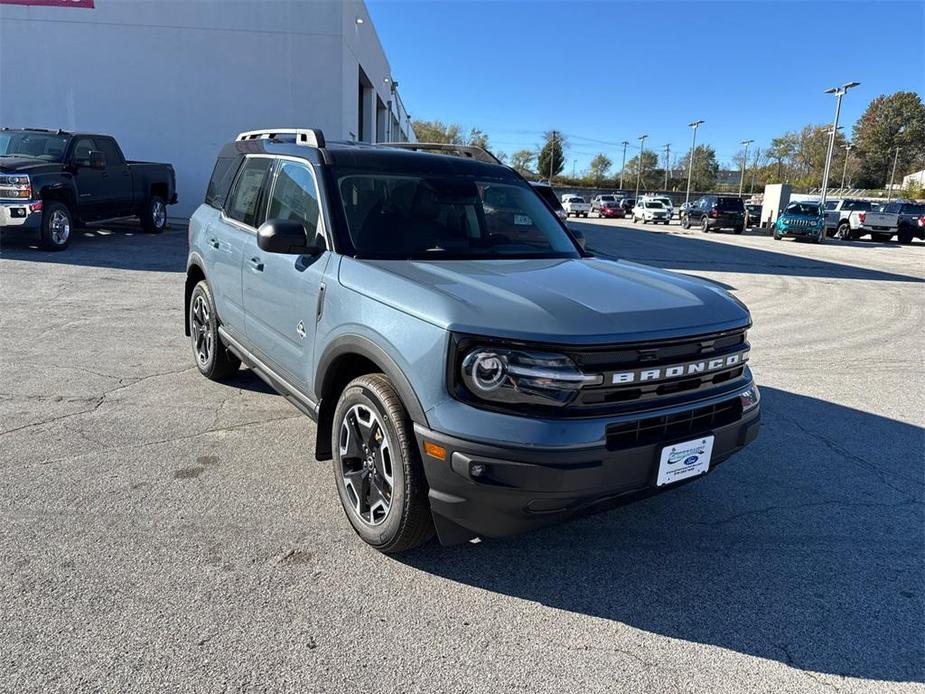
{"points": [[891, 208], [806, 208], [426, 217], [110, 151], [830, 205], [294, 196], [730, 204], [83, 147], [914, 209], [222, 176], [245, 198], [45, 146], [576, 200], [549, 196]]}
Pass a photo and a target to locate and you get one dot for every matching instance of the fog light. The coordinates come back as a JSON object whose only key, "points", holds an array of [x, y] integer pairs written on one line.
{"points": [[750, 399], [477, 470]]}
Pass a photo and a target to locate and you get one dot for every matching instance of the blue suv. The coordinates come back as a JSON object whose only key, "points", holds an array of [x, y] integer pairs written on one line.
{"points": [[472, 370]]}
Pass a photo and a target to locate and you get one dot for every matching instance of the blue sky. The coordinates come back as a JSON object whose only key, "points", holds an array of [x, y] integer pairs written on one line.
{"points": [[610, 71]]}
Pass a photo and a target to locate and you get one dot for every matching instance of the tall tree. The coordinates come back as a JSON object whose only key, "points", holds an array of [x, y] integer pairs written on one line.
{"points": [[646, 165], [705, 169], [599, 167], [551, 160], [438, 132], [522, 159], [890, 121], [478, 138], [781, 152]]}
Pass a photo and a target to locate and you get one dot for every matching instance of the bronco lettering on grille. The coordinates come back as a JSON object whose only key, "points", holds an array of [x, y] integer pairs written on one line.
{"points": [[680, 370]]}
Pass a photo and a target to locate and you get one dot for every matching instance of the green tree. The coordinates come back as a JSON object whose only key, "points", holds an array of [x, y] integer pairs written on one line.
{"points": [[809, 157], [522, 159], [551, 160], [705, 169], [646, 165], [781, 151], [599, 167], [478, 138], [890, 121], [438, 132]]}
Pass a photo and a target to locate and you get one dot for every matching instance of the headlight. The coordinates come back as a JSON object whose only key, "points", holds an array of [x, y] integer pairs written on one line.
{"points": [[15, 187], [750, 399], [516, 377]]}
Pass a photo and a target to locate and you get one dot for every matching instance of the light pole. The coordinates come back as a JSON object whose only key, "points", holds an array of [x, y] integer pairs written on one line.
{"points": [[574, 163], [744, 162], [667, 163], [690, 160], [751, 185], [893, 176], [839, 92], [642, 149], [552, 154], [844, 173], [623, 165]]}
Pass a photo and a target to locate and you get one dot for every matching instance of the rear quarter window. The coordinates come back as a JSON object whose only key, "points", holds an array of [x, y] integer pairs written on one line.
{"points": [[220, 183]]}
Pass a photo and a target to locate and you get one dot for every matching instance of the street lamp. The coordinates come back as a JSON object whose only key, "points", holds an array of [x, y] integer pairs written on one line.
{"points": [[642, 149], [893, 175], [744, 162], [667, 163], [844, 173], [690, 160], [623, 165], [839, 92]]}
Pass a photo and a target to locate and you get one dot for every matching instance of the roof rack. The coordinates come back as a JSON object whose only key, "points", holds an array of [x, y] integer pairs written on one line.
{"points": [[466, 151], [308, 137]]}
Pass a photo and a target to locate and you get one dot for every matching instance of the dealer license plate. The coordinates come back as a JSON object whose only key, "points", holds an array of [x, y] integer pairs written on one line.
{"points": [[682, 460]]}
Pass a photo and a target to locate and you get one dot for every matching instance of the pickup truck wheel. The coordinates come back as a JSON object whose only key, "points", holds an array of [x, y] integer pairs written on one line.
{"points": [[154, 216], [377, 467], [844, 231], [212, 358], [57, 225], [905, 235]]}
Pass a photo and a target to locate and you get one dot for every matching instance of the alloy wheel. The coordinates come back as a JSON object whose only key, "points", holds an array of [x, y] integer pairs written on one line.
{"points": [[366, 464], [59, 227], [159, 213], [201, 329]]}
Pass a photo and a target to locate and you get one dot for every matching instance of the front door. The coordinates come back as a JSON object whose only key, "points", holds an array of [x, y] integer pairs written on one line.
{"points": [[92, 184], [282, 292]]}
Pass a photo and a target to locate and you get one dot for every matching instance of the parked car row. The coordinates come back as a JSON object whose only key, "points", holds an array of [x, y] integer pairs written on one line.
{"points": [[52, 181]]}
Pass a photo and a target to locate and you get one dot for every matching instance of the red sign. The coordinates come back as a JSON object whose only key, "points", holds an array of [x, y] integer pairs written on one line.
{"points": [[50, 3]]}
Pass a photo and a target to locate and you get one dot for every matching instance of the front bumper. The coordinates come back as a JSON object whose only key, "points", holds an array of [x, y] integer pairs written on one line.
{"points": [[23, 215], [798, 232], [520, 488], [618, 214]]}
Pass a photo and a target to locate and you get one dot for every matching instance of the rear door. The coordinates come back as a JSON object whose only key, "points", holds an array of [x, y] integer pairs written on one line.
{"points": [[229, 237], [283, 293]]}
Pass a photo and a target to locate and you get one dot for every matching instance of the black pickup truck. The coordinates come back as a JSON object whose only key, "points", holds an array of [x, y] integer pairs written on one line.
{"points": [[52, 180]]}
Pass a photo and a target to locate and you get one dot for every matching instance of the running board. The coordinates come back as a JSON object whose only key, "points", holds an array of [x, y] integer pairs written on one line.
{"points": [[300, 401]]}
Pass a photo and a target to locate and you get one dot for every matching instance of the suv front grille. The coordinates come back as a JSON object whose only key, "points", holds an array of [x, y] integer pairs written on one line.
{"points": [[692, 423]]}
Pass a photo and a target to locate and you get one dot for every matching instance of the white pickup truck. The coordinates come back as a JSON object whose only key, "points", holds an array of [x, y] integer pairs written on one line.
{"points": [[901, 219], [576, 205], [843, 218]]}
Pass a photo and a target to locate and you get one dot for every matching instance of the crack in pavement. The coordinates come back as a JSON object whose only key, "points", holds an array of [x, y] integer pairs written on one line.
{"points": [[796, 507]]}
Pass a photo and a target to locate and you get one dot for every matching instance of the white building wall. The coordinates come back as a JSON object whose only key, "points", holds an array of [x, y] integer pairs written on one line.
{"points": [[173, 80]]}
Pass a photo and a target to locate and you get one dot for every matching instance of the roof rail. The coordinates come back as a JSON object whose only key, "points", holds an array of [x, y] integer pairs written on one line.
{"points": [[466, 151], [309, 137]]}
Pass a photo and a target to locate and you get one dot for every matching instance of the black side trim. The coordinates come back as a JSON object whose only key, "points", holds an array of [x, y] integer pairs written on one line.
{"points": [[301, 401], [356, 344]]}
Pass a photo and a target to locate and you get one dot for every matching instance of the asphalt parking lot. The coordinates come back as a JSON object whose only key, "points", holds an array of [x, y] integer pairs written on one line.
{"points": [[165, 533]]}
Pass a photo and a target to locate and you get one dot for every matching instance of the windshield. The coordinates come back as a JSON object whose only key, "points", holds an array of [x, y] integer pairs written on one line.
{"points": [[808, 208], [607, 198], [654, 204], [576, 199], [444, 218], [44, 146]]}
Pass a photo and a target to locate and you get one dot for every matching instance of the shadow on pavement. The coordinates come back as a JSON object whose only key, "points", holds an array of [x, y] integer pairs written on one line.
{"points": [[806, 548], [676, 252], [120, 244]]}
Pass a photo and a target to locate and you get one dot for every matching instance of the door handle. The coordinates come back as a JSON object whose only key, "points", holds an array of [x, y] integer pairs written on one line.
{"points": [[256, 265], [214, 243]]}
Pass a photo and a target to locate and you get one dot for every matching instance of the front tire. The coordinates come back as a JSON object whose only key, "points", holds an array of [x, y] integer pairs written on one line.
{"points": [[377, 467], [154, 216], [213, 359], [57, 226], [685, 222]]}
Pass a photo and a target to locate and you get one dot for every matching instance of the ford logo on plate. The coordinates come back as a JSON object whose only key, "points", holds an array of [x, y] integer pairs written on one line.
{"points": [[691, 459]]}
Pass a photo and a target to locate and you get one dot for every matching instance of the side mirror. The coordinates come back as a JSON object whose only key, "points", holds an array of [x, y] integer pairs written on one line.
{"points": [[287, 237], [580, 238]]}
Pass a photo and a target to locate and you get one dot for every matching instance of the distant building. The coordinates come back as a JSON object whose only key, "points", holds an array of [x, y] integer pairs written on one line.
{"points": [[173, 81], [918, 176]]}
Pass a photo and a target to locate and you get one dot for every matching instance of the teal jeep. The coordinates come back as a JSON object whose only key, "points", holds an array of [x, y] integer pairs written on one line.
{"points": [[801, 220]]}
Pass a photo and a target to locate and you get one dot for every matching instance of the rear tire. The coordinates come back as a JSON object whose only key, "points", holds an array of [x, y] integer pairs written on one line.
{"points": [[705, 226], [844, 231], [57, 226], [213, 359], [154, 216], [738, 230], [377, 467], [905, 235]]}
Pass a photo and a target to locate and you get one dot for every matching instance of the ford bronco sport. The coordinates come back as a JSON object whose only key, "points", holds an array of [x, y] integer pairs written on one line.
{"points": [[471, 369]]}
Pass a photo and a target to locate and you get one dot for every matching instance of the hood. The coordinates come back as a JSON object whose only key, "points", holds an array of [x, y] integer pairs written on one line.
{"points": [[25, 165], [586, 300]]}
